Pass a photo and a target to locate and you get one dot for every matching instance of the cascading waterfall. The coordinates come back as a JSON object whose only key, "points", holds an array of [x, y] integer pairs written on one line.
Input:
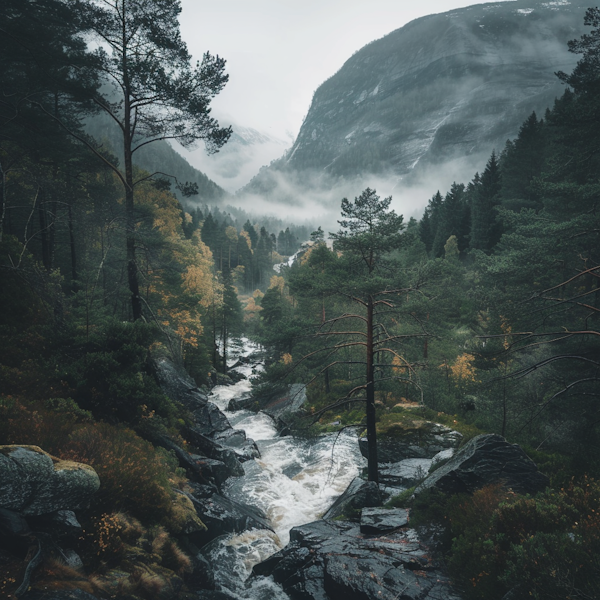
{"points": [[294, 482]]}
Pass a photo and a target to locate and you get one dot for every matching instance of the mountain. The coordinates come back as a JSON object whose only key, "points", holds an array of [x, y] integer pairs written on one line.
{"points": [[432, 99], [244, 154]]}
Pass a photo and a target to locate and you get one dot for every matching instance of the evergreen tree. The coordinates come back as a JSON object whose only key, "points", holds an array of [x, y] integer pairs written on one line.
{"points": [[155, 94], [520, 163], [485, 225]]}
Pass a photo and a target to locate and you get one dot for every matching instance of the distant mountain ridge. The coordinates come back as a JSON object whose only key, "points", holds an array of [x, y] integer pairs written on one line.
{"points": [[244, 154], [445, 87]]}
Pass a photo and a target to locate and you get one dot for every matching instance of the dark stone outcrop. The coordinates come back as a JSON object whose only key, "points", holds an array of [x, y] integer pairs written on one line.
{"points": [[358, 494], [289, 401], [282, 404], [178, 385], [377, 521], [244, 447], [12, 524], [222, 515], [245, 403], [484, 460], [210, 420], [211, 433], [212, 469], [405, 473], [62, 523], [416, 439], [213, 449], [326, 560], [211, 423]]}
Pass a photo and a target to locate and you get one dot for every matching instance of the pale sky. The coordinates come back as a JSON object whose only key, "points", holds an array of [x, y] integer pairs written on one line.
{"points": [[279, 51]]}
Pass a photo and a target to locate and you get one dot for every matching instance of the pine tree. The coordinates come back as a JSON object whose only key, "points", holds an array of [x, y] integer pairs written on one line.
{"points": [[485, 226]]}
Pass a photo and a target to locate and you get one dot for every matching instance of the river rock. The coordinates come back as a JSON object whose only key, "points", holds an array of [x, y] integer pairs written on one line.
{"points": [[486, 459], [213, 469], [413, 439], [210, 420], [34, 483], [213, 449], [178, 385], [404, 473], [358, 494], [376, 521], [244, 403], [245, 448], [202, 576], [222, 515], [326, 560], [287, 401]]}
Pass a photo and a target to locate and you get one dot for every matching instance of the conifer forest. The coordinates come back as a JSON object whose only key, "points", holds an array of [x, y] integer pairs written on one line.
{"points": [[149, 330]]}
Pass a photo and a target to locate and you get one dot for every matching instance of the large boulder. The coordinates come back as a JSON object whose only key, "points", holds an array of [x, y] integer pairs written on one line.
{"points": [[35, 483], [332, 559], [213, 424], [284, 402], [404, 473], [484, 460], [359, 494], [377, 521], [413, 438], [212, 449], [222, 515]]}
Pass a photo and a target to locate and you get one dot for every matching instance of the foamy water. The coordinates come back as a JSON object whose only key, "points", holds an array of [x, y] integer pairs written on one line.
{"points": [[294, 482]]}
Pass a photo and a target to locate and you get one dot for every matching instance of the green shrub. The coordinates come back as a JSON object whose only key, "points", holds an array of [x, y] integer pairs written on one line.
{"points": [[547, 546], [401, 500], [113, 378], [45, 424], [134, 476]]}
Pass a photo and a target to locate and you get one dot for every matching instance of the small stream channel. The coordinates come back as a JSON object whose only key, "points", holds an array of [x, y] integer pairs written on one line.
{"points": [[294, 482]]}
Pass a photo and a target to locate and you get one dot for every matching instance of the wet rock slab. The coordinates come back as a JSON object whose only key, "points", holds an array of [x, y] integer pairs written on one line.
{"points": [[328, 560], [358, 494], [377, 521], [178, 385], [404, 473], [486, 459], [418, 439], [222, 515]]}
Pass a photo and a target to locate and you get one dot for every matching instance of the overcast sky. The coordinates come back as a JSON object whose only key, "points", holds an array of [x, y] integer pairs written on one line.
{"points": [[279, 51]]}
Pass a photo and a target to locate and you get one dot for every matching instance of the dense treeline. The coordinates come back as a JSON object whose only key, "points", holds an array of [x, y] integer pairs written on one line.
{"points": [[487, 311], [104, 272]]}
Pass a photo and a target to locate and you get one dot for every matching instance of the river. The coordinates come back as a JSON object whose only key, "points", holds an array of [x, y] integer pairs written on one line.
{"points": [[294, 482]]}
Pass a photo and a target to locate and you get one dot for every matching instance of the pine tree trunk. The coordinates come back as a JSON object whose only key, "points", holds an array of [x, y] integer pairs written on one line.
{"points": [[2, 200], [373, 469], [74, 275]]}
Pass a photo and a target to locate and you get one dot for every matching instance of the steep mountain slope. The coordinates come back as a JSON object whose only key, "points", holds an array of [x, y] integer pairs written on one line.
{"points": [[242, 156], [445, 87]]}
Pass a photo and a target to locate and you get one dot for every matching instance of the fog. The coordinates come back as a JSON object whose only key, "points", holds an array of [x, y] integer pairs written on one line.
{"points": [[317, 197]]}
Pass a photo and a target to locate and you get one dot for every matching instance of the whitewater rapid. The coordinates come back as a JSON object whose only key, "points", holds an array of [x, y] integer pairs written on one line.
{"points": [[294, 482]]}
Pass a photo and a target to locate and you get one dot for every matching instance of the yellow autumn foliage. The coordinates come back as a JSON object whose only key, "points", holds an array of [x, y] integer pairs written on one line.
{"points": [[463, 370]]}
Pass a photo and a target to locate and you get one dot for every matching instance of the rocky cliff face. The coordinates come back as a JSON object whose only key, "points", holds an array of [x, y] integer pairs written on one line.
{"points": [[443, 87]]}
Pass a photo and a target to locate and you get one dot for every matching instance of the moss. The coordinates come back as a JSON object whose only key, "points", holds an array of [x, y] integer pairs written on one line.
{"points": [[401, 500], [402, 422]]}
